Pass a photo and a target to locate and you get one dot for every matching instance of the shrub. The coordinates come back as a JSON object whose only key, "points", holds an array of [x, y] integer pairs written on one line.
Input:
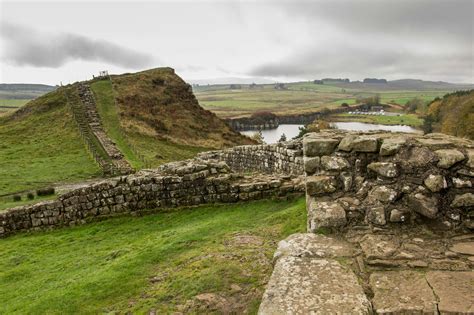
{"points": [[16, 198], [45, 191], [30, 196]]}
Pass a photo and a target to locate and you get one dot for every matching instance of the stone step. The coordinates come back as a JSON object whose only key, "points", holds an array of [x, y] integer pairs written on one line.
{"points": [[310, 277]]}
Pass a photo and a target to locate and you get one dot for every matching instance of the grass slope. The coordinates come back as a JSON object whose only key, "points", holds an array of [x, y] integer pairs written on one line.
{"points": [[40, 144], [131, 142], [159, 262]]}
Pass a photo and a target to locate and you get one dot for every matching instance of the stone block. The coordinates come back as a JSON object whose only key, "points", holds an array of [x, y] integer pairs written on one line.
{"points": [[464, 200], [449, 157], [383, 194], [300, 285], [424, 205], [376, 215], [436, 183], [391, 146], [385, 169], [322, 214], [319, 185], [311, 164], [365, 144], [455, 291], [402, 292], [319, 146], [334, 163]]}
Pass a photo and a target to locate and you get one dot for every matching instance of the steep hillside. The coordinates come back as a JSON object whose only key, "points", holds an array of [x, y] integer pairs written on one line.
{"points": [[40, 144], [157, 120], [159, 103], [453, 114]]}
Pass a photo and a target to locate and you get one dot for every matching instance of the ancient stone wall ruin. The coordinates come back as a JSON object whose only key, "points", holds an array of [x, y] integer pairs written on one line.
{"points": [[197, 181], [379, 179], [283, 158]]}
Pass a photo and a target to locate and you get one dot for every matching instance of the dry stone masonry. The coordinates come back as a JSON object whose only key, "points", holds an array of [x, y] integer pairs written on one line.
{"points": [[400, 210], [207, 179], [120, 164], [283, 158], [381, 179]]}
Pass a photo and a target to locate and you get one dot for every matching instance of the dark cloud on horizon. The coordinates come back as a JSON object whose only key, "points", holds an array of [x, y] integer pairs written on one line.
{"points": [[380, 38], [28, 47]]}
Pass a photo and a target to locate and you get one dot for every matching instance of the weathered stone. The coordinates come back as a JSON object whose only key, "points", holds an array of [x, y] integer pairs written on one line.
{"points": [[397, 216], [313, 286], [383, 194], [470, 161], [346, 179], [323, 215], [316, 185], [346, 143], [376, 215], [365, 144], [334, 163], [455, 291], [385, 169], [449, 157], [466, 248], [424, 205], [319, 146], [402, 292], [391, 146], [378, 246], [460, 183], [434, 144], [311, 164], [314, 246], [436, 183], [419, 157], [464, 200]]}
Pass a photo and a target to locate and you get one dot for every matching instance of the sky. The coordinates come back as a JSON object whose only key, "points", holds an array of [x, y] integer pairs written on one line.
{"points": [[225, 40]]}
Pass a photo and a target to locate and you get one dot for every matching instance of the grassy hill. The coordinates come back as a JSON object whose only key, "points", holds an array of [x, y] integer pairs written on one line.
{"points": [[159, 262], [152, 116], [453, 114]]}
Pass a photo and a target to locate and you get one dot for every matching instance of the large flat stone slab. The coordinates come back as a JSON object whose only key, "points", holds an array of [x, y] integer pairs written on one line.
{"points": [[301, 285], [313, 246], [402, 292], [454, 289]]}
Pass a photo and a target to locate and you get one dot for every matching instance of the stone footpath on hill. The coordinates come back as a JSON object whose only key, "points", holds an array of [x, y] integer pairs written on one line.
{"points": [[416, 271]]}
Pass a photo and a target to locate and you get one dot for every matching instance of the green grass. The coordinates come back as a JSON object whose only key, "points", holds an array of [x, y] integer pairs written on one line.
{"points": [[42, 147], [404, 119], [7, 201], [13, 102], [136, 264], [158, 152], [110, 120]]}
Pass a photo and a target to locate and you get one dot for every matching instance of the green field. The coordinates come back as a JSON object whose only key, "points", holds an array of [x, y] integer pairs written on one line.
{"points": [[10, 105], [298, 98], [157, 262], [42, 147], [409, 119]]}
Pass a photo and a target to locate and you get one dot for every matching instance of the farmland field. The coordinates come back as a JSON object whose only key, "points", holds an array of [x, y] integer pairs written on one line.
{"points": [[300, 97]]}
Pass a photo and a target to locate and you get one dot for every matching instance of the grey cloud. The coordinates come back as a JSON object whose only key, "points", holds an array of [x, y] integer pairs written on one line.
{"points": [[357, 61], [380, 38], [432, 18], [27, 47]]}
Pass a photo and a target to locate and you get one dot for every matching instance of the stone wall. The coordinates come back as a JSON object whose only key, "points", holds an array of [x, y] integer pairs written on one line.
{"points": [[185, 183], [379, 179], [283, 158]]}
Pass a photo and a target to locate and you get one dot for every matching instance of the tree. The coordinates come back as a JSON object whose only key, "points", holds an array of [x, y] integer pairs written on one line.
{"points": [[258, 137], [413, 105], [282, 138], [428, 124]]}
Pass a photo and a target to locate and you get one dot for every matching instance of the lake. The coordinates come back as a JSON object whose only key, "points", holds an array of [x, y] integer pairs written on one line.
{"points": [[273, 135]]}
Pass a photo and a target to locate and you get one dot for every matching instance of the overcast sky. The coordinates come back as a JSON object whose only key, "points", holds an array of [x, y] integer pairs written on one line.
{"points": [[49, 42]]}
